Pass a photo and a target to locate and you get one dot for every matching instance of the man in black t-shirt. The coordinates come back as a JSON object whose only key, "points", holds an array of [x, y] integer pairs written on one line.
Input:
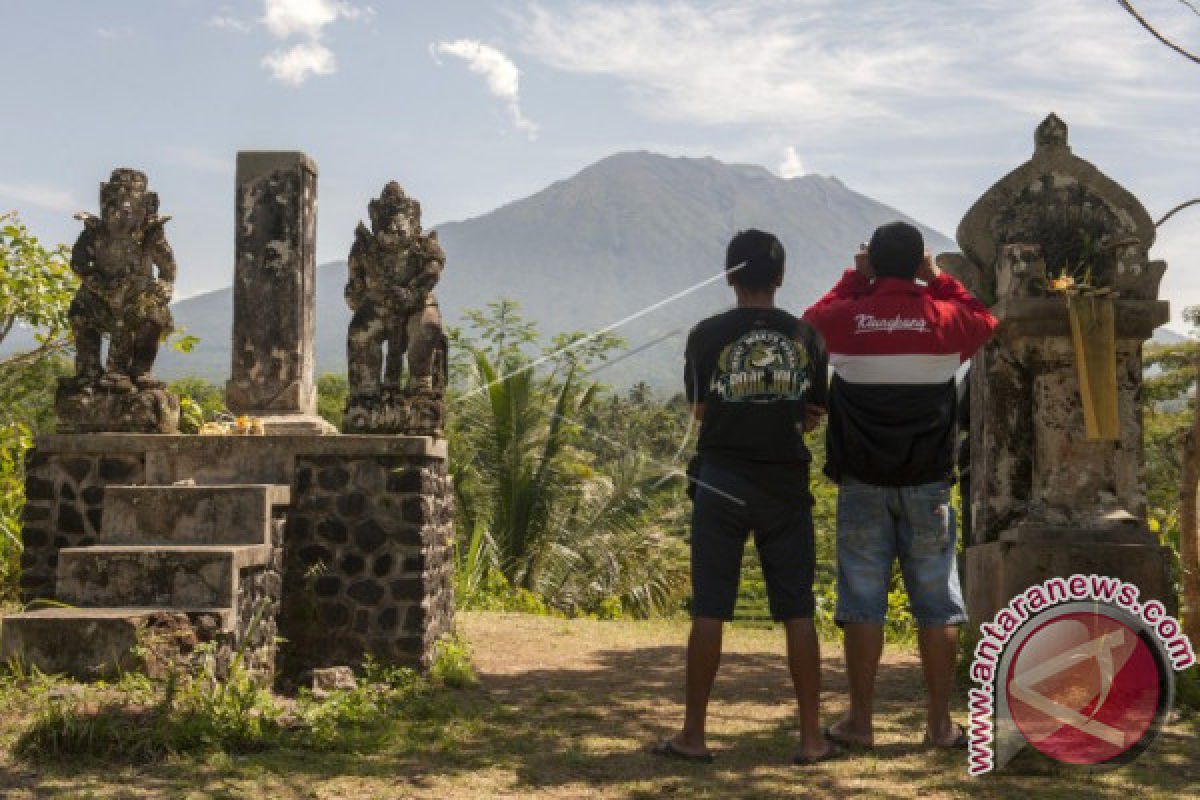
{"points": [[756, 379]]}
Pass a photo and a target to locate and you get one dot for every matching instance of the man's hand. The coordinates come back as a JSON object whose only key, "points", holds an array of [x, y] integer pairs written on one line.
{"points": [[928, 270], [812, 417], [863, 265]]}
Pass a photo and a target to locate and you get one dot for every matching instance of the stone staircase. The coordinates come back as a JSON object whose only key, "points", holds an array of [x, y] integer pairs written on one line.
{"points": [[173, 567]]}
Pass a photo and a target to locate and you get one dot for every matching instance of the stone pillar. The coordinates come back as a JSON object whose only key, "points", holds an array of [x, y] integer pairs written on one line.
{"points": [[274, 291], [1045, 499]]}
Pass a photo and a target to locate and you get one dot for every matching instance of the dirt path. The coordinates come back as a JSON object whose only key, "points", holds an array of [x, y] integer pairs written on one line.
{"points": [[566, 709]]}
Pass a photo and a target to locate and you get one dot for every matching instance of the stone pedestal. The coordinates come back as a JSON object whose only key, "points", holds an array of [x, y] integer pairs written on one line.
{"points": [[366, 534], [998, 571], [1046, 500], [274, 291], [414, 412], [98, 410]]}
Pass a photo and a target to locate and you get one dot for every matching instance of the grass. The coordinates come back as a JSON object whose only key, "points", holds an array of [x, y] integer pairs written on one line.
{"points": [[564, 709]]}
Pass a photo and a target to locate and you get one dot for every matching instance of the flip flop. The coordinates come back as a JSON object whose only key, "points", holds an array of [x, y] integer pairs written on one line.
{"points": [[961, 742], [845, 741], [835, 751], [667, 749]]}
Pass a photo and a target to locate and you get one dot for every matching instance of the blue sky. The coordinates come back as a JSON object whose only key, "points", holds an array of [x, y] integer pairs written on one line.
{"points": [[470, 105]]}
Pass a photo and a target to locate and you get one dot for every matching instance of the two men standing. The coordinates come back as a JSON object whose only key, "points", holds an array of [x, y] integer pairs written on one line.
{"points": [[757, 379]]}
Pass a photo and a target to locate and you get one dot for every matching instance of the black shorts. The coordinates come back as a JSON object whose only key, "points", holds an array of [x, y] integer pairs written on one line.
{"points": [[727, 508]]}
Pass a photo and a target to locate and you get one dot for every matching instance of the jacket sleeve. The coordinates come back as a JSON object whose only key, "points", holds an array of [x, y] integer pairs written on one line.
{"points": [[823, 313], [969, 323]]}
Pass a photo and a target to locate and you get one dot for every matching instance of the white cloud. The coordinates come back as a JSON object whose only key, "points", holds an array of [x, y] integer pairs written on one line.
{"points": [[285, 18], [303, 20], [296, 64], [792, 166], [40, 195], [501, 75], [823, 66]]}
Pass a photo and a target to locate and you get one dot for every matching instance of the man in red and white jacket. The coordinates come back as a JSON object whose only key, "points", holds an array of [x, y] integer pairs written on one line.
{"points": [[897, 330]]}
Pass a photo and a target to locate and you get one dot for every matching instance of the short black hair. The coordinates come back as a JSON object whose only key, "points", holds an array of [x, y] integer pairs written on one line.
{"points": [[755, 259], [896, 251]]}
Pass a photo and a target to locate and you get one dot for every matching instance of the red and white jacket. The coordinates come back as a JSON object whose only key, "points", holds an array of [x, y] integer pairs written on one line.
{"points": [[895, 346]]}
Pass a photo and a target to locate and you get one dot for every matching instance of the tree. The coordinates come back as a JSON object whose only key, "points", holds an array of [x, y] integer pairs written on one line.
{"points": [[540, 499], [36, 287]]}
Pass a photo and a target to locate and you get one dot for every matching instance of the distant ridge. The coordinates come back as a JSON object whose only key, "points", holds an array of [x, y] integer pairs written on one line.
{"points": [[621, 234]]}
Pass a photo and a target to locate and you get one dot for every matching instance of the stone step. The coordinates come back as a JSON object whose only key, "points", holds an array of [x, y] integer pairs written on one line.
{"points": [[149, 575], [96, 643], [181, 515]]}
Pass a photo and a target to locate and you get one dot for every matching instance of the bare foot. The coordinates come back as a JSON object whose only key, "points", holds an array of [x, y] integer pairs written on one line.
{"points": [[845, 733]]}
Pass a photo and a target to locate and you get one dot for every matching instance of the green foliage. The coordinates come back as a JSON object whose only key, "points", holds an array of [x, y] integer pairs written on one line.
{"points": [[332, 390], [14, 440], [138, 721], [183, 342], [199, 401], [36, 287], [552, 501], [451, 665], [1169, 392], [36, 284]]}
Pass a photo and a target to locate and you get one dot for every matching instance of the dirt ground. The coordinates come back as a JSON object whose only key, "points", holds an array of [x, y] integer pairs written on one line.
{"points": [[566, 709]]}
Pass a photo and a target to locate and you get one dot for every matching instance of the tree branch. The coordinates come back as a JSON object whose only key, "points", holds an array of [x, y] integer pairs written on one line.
{"points": [[1176, 210], [1125, 4]]}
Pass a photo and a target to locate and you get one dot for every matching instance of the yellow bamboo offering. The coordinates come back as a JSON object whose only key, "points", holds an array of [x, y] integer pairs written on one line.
{"points": [[1094, 336]]}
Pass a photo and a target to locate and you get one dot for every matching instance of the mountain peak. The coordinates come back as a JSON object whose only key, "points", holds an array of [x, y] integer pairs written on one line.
{"points": [[617, 237]]}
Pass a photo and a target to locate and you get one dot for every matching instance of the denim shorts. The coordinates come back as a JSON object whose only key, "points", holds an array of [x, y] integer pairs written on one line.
{"points": [[877, 525], [728, 506]]}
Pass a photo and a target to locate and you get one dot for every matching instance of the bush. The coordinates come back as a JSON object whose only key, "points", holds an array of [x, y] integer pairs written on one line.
{"points": [[140, 722], [452, 665]]}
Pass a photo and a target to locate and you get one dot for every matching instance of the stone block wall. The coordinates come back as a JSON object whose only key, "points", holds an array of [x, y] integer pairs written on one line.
{"points": [[368, 560], [364, 560], [259, 600], [64, 493]]}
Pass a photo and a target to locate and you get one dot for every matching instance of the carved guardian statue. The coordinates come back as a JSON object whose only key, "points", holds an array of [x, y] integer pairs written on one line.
{"points": [[396, 347], [127, 277]]}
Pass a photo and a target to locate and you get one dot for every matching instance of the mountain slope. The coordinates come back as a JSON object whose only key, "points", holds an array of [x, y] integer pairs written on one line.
{"points": [[624, 233]]}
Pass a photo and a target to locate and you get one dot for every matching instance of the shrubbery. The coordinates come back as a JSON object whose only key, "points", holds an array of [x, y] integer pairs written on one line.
{"points": [[136, 720]]}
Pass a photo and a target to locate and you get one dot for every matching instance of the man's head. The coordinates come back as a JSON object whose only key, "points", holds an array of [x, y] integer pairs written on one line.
{"points": [[896, 251], [754, 260]]}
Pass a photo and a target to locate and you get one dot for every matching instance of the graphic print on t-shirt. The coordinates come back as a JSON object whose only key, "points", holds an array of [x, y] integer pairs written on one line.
{"points": [[762, 366]]}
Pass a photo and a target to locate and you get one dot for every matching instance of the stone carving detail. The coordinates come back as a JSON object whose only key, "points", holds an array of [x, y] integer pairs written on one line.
{"points": [[1061, 214], [127, 274], [1044, 496], [393, 268]]}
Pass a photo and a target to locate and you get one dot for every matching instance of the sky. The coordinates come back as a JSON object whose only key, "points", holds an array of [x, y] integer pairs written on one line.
{"points": [[470, 105]]}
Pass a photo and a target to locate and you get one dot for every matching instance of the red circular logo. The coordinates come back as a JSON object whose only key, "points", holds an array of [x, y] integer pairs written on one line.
{"points": [[1084, 688]]}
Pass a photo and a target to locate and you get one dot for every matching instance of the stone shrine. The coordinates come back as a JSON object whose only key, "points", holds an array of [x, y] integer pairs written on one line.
{"points": [[150, 545], [274, 286], [127, 276], [1045, 498], [393, 268]]}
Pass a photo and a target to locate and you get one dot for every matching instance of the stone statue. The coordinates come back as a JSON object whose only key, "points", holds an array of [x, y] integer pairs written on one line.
{"points": [[393, 268], [127, 276], [121, 293]]}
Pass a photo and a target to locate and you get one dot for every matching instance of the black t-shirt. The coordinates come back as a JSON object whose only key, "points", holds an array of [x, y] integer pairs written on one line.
{"points": [[754, 369]]}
